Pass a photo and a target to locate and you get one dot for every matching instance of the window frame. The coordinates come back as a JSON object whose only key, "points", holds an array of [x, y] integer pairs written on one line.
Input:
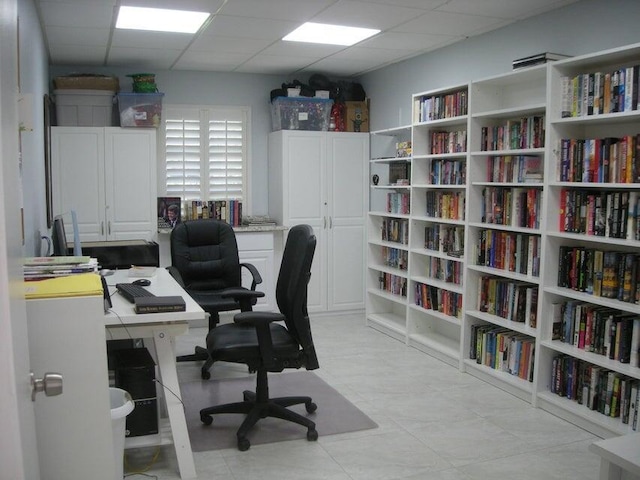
{"points": [[213, 112]]}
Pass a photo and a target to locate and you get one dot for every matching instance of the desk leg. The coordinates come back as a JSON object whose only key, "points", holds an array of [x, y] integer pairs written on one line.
{"points": [[609, 470], [175, 410]]}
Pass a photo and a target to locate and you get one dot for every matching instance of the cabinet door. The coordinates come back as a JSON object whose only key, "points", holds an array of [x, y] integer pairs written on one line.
{"points": [[304, 201], [130, 187], [347, 155], [257, 248], [77, 180]]}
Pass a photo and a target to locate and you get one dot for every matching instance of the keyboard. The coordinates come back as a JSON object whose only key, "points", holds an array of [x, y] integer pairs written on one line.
{"points": [[131, 291]]}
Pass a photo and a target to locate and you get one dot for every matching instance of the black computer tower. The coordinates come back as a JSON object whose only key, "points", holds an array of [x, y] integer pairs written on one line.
{"points": [[135, 372]]}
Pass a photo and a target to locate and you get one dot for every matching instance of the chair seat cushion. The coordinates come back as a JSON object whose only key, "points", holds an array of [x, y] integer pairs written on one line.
{"points": [[236, 343]]}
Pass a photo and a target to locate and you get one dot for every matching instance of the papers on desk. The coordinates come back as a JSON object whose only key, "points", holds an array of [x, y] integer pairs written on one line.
{"points": [[38, 268], [83, 284]]}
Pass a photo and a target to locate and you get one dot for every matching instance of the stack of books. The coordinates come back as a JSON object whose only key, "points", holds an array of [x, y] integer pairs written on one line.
{"points": [[40, 268]]}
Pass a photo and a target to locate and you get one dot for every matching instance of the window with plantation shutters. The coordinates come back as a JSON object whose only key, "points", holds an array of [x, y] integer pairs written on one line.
{"points": [[206, 151]]}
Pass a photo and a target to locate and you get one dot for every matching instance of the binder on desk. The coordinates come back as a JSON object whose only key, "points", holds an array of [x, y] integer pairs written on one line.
{"points": [[82, 284]]}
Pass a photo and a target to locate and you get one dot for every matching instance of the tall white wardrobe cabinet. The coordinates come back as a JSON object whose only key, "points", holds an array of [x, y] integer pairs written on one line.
{"points": [[319, 178], [108, 176]]}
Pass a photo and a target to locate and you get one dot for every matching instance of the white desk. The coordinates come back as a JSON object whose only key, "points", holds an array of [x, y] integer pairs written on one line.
{"points": [[124, 323], [619, 457]]}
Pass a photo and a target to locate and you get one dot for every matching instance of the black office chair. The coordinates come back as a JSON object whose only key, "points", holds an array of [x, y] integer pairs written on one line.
{"points": [[204, 261], [255, 339]]}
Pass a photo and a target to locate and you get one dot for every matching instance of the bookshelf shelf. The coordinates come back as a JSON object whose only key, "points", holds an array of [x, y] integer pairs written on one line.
{"points": [[497, 145]]}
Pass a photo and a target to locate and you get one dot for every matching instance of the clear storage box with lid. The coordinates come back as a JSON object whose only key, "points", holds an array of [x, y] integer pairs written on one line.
{"points": [[300, 113], [140, 109]]}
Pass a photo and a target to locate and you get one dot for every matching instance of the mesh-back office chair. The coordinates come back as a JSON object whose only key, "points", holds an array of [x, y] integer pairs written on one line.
{"points": [[204, 261], [255, 339]]}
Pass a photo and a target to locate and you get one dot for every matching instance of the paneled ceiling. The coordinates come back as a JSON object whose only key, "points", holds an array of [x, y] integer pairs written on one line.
{"points": [[245, 35]]}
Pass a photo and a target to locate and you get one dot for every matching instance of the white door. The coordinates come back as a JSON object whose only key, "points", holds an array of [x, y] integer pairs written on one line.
{"points": [[77, 179], [305, 201], [347, 155], [18, 450], [130, 183]]}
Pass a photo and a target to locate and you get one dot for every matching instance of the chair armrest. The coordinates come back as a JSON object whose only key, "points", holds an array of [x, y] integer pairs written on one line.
{"points": [[173, 271], [257, 279], [261, 322]]}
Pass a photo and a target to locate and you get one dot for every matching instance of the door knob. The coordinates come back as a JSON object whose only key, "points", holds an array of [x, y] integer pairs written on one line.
{"points": [[50, 384]]}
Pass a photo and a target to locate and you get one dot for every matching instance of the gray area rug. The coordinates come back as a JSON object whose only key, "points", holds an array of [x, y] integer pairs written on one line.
{"points": [[335, 414]]}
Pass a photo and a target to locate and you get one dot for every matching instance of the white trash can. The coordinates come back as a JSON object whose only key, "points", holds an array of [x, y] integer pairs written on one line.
{"points": [[121, 406]]}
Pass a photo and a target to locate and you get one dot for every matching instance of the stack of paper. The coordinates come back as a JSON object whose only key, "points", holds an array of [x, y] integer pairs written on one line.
{"points": [[39, 268], [68, 286]]}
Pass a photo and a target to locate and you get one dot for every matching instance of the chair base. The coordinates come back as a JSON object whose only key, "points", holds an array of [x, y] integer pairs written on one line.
{"points": [[257, 405], [201, 355]]}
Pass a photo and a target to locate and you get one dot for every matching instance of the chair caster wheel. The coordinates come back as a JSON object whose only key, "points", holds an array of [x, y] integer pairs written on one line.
{"points": [[243, 444], [205, 374], [311, 407], [206, 419], [312, 435]]}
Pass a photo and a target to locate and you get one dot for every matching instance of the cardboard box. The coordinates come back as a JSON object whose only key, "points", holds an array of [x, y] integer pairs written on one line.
{"points": [[357, 116]]}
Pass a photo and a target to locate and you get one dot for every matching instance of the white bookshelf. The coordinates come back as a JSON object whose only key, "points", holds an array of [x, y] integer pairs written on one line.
{"points": [[528, 101]]}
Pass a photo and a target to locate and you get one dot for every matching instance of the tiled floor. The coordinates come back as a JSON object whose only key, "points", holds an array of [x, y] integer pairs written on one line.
{"points": [[434, 422]]}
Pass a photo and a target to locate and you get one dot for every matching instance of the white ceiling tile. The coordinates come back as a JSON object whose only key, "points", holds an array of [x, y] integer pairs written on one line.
{"points": [[297, 10], [249, 27], [143, 58], [444, 23], [78, 36], [77, 55], [299, 49], [407, 41], [421, 4], [223, 62], [210, 6], [78, 14], [273, 64], [369, 15], [221, 44], [499, 8], [148, 39]]}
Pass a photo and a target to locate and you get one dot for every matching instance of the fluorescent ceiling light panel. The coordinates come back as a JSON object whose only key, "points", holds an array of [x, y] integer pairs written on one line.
{"points": [[160, 19], [330, 34]]}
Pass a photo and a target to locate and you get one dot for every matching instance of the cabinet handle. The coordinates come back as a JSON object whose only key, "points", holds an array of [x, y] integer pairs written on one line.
{"points": [[324, 222], [101, 228], [330, 222], [109, 224]]}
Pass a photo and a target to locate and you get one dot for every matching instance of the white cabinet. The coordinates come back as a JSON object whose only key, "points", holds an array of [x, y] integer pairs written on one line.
{"points": [[108, 176], [258, 249], [74, 431], [319, 178]]}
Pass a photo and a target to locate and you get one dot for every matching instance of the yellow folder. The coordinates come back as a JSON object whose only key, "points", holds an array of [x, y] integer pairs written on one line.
{"points": [[82, 284]]}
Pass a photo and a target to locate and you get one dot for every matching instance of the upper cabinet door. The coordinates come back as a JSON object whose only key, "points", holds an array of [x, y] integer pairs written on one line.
{"points": [[77, 179], [130, 173]]}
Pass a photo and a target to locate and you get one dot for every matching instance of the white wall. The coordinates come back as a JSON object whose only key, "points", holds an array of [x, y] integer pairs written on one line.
{"points": [[582, 27]]}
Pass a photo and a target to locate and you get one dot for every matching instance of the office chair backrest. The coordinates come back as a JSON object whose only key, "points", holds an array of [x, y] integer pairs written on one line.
{"points": [[291, 288], [205, 252], [59, 237]]}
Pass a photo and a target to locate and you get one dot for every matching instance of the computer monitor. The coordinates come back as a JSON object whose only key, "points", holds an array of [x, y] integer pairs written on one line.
{"points": [[58, 237]]}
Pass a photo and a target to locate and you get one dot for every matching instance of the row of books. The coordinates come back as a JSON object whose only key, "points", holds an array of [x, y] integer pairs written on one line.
{"points": [[508, 299], [526, 132], [448, 142], [509, 251], [447, 239], [41, 268], [601, 273], [229, 211], [600, 330], [516, 207], [445, 270], [393, 284], [444, 301], [437, 107], [398, 202], [447, 172], [596, 93], [395, 230], [395, 258], [612, 214], [446, 205], [597, 388], [515, 169], [503, 350], [600, 160]]}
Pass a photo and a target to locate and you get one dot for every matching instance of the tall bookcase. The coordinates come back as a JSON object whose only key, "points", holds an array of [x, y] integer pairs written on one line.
{"points": [[500, 257], [576, 354]]}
